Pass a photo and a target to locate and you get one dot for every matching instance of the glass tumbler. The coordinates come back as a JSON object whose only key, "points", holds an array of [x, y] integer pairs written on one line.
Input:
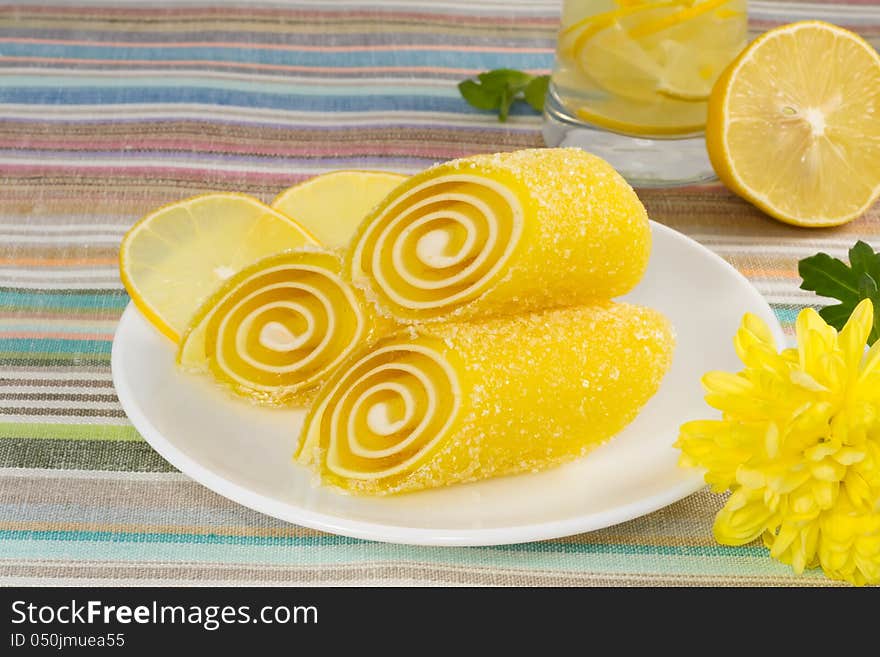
{"points": [[632, 80]]}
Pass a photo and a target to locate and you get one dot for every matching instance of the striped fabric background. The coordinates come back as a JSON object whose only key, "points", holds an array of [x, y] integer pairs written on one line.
{"points": [[110, 109]]}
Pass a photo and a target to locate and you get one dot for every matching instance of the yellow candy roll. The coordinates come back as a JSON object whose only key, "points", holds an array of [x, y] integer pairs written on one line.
{"points": [[496, 234], [278, 328], [455, 402]]}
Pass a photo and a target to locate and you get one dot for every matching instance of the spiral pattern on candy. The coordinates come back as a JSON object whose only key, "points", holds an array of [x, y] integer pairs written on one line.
{"points": [[495, 234], [278, 328], [391, 409], [452, 402]]}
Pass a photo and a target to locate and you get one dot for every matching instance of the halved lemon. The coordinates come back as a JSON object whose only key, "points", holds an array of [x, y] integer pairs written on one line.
{"points": [[794, 124], [173, 258], [332, 205]]}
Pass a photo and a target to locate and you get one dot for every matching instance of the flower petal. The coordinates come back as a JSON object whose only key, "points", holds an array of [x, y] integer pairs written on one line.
{"points": [[854, 335], [803, 505], [754, 342], [820, 451], [792, 480], [814, 337], [850, 546], [803, 549], [757, 327], [788, 532], [726, 383], [828, 470], [742, 525], [857, 490], [771, 440], [872, 362], [825, 493], [749, 478], [804, 380], [849, 456]]}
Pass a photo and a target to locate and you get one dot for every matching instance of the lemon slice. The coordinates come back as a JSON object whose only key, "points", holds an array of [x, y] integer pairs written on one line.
{"points": [[691, 70], [645, 119], [172, 259], [332, 205], [573, 37], [682, 17], [657, 63], [794, 124], [620, 64]]}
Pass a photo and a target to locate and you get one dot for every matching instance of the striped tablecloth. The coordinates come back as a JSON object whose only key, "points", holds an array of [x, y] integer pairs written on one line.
{"points": [[111, 109]]}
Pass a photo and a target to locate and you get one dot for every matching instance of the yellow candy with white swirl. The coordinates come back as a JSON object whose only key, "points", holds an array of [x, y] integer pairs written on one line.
{"points": [[504, 233], [278, 328], [455, 402]]}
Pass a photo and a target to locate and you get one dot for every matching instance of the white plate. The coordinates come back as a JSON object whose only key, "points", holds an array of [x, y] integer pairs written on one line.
{"points": [[244, 452]]}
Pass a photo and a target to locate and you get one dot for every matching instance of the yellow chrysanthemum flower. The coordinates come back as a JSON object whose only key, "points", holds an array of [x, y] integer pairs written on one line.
{"points": [[798, 446]]}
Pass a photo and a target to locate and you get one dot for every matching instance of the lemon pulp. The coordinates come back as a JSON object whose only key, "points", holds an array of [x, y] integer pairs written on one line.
{"points": [[173, 258], [332, 205]]}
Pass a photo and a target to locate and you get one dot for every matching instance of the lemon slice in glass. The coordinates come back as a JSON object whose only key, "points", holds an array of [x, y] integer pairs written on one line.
{"points": [[657, 63]]}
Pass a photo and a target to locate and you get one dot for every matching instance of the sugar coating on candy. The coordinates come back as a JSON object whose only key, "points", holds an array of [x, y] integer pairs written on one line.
{"points": [[534, 390], [576, 232]]}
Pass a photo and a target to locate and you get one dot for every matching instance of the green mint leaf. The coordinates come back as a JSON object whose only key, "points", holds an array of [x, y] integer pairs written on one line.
{"points": [[536, 91], [863, 260], [500, 88], [849, 284], [478, 96], [829, 277], [867, 287], [507, 98], [504, 78]]}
